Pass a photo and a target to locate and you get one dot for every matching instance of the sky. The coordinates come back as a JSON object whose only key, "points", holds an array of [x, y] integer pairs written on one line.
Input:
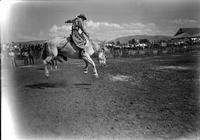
{"points": [[107, 19]]}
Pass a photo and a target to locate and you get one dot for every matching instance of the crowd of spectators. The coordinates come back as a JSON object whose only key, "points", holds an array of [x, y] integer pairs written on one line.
{"points": [[25, 51], [133, 48]]}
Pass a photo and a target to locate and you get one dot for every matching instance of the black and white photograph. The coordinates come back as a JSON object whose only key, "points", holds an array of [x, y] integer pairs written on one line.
{"points": [[100, 69]]}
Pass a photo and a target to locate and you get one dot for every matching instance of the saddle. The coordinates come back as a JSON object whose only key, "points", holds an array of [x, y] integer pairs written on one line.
{"points": [[70, 40]]}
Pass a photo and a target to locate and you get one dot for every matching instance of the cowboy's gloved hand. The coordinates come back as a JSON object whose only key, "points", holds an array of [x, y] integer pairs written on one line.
{"points": [[68, 21]]}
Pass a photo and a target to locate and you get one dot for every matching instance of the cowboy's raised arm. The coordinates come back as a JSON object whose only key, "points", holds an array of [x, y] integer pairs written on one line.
{"points": [[69, 21]]}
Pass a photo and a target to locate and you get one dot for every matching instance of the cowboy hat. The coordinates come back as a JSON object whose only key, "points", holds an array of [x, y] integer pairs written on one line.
{"points": [[82, 16]]}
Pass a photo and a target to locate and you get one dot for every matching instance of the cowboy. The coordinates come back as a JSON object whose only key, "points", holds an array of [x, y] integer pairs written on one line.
{"points": [[78, 31]]}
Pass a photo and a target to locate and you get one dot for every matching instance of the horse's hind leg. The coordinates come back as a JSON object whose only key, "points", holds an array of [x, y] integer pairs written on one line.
{"points": [[54, 64], [46, 61]]}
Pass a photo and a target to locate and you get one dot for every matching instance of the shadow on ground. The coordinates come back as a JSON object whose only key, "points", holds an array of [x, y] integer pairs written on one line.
{"points": [[46, 85], [82, 84]]}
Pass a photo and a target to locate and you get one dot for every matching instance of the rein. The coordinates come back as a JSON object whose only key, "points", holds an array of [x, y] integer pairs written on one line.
{"points": [[67, 41]]}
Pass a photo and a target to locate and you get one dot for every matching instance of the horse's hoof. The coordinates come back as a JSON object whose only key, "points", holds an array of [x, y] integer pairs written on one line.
{"points": [[85, 71], [47, 75], [96, 75]]}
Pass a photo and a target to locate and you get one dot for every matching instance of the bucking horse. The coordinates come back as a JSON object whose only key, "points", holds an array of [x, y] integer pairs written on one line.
{"points": [[66, 48]]}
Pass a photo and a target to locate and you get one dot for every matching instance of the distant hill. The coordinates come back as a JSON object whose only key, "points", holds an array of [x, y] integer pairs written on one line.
{"points": [[151, 38]]}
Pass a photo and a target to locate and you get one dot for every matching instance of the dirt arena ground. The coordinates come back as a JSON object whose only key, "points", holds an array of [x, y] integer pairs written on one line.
{"points": [[134, 98]]}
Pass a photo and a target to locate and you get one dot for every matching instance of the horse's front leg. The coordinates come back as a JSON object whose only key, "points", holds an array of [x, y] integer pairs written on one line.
{"points": [[46, 61], [86, 67], [56, 64], [94, 69], [51, 64], [87, 58]]}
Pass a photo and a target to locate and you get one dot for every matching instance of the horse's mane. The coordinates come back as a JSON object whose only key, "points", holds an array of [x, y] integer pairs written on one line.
{"points": [[95, 45], [57, 40]]}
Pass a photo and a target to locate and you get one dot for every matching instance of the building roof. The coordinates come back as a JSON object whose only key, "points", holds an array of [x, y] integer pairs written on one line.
{"points": [[182, 35], [180, 40], [189, 31]]}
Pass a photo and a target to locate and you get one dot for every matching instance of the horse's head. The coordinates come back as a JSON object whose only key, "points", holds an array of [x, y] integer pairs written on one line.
{"points": [[99, 51]]}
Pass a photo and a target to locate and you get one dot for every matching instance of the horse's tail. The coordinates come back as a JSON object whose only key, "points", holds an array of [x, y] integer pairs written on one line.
{"points": [[45, 51]]}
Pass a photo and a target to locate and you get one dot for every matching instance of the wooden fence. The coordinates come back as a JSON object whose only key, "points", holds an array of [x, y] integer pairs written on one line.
{"points": [[132, 52]]}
